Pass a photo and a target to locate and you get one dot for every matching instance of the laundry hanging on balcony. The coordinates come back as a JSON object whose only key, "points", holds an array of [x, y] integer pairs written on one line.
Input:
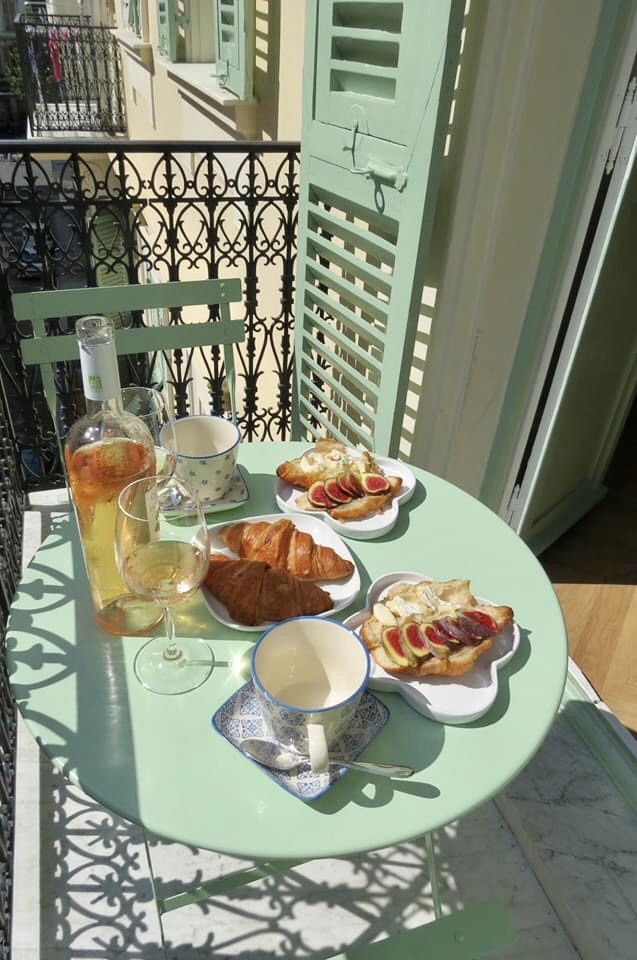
{"points": [[54, 57]]}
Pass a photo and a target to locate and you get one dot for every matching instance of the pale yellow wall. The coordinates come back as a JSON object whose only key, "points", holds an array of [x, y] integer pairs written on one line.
{"points": [[162, 108]]}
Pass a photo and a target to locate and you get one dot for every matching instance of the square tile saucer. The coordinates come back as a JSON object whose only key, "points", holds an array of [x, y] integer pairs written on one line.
{"points": [[240, 717], [236, 495]]}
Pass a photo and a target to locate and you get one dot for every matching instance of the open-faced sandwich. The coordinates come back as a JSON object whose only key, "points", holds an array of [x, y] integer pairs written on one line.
{"points": [[431, 628], [346, 484]]}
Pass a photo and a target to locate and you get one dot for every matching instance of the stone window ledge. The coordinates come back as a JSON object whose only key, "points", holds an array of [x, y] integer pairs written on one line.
{"points": [[140, 49], [201, 79]]}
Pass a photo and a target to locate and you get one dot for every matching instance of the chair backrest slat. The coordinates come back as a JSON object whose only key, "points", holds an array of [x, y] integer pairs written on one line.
{"points": [[80, 301], [43, 350]]}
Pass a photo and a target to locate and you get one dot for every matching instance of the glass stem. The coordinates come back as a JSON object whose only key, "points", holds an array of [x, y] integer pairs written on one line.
{"points": [[172, 651]]}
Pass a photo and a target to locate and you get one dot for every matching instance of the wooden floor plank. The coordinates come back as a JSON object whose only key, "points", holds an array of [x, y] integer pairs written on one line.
{"points": [[593, 568]]}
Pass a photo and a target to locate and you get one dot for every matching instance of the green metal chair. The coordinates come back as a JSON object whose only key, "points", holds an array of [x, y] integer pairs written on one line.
{"points": [[44, 350], [464, 935]]}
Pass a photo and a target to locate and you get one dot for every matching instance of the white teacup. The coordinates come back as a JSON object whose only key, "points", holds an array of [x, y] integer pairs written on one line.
{"points": [[309, 674], [207, 449]]}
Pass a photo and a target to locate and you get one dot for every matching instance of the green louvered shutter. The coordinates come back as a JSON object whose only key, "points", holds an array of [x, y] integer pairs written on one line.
{"points": [[167, 29], [234, 45], [378, 85]]}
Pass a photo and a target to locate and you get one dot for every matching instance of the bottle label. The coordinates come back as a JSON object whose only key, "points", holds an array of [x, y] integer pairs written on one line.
{"points": [[100, 375]]}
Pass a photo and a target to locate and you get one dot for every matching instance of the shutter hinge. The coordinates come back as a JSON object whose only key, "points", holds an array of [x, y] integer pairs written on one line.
{"points": [[627, 115]]}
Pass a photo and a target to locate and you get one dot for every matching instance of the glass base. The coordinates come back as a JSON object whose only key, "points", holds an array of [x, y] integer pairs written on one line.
{"points": [[169, 676]]}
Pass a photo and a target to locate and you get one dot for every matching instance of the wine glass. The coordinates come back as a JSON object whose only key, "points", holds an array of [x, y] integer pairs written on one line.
{"points": [[148, 404], [162, 549]]}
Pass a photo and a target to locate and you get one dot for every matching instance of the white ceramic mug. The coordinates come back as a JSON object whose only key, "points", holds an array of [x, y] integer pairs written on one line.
{"points": [[309, 674], [207, 449]]}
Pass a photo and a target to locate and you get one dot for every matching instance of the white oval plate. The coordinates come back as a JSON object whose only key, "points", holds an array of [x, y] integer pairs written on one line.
{"points": [[368, 527], [342, 592], [445, 699]]}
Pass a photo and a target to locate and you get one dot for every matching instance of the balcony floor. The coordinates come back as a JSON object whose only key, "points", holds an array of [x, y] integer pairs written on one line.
{"points": [[558, 846]]}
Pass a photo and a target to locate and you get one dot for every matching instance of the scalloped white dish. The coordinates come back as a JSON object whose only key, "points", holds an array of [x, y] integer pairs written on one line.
{"points": [[368, 527], [445, 699], [342, 592]]}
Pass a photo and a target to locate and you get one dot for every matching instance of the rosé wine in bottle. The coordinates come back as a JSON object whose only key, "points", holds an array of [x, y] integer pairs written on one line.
{"points": [[104, 451]]}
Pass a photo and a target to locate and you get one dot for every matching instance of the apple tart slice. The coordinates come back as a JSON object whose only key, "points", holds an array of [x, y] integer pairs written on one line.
{"points": [[432, 628]]}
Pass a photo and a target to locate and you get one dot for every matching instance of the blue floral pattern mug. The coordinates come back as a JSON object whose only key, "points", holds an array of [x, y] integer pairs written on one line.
{"points": [[309, 674], [207, 449]]}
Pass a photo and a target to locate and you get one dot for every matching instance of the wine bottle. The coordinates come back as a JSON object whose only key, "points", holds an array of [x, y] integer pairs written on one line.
{"points": [[105, 450]]}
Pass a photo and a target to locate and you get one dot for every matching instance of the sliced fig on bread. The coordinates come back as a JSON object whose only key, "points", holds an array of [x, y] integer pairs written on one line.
{"points": [[444, 617]]}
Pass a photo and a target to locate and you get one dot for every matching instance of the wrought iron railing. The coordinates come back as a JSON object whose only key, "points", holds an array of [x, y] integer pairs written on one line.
{"points": [[72, 74], [103, 213], [11, 515]]}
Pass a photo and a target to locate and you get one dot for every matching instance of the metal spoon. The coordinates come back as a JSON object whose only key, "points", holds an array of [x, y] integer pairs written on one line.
{"points": [[271, 754]]}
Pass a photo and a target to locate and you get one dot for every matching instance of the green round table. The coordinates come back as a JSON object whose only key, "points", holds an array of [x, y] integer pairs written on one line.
{"points": [[157, 761]]}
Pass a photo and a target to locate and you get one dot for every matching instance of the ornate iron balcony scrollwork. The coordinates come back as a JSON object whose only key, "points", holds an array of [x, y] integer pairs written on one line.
{"points": [[101, 213]]}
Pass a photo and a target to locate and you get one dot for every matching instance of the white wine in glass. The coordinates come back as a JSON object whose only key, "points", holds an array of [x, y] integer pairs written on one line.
{"points": [[162, 549]]}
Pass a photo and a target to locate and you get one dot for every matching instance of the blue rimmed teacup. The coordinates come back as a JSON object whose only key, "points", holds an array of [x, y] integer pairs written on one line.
{"points": [[207, 449], [309, 674]]}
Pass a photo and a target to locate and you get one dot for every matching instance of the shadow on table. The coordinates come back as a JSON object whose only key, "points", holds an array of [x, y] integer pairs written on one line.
{"points": [[501, 705], [396, 743]]}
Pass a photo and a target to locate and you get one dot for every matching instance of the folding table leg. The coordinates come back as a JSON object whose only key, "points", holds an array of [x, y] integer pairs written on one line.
{"points": [[155, 897], [433, 875]]}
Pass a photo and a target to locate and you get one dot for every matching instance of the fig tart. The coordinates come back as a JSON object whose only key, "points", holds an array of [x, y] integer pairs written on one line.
{"points": [[346, 484], [431, 628]]}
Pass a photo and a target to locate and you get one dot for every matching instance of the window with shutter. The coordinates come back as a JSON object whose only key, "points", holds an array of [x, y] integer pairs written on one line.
{"points": [[131, 16], [379, 78], [167, 29], [234, 45]]}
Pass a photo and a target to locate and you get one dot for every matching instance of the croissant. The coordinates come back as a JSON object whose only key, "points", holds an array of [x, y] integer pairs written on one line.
{"points": [[284, 547], [253, 592]]}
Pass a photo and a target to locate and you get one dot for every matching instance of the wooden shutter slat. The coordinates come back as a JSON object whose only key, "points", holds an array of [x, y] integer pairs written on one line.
{"points": [[364, 34], [368, 273], [355, 324], [361, 355], [345, 395], [365, 69], [351, 233], [327, 353], [360, 432], [327, 428], [340, 363], [342, 286]]}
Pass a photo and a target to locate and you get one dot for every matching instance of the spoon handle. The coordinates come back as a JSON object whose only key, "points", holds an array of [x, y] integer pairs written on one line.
{"points": [[381, 769]]}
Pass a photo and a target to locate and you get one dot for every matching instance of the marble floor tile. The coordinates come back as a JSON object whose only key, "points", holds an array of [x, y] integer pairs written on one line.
{"points": [[580, 837]]}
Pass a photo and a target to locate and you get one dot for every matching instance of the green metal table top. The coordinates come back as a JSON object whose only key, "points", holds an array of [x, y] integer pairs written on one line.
{"points": [[157, 761]]}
